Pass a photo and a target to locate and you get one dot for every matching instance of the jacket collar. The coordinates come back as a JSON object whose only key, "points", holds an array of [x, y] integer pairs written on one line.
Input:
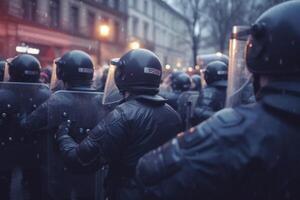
{"points": [[282, 96], [150, 98]]}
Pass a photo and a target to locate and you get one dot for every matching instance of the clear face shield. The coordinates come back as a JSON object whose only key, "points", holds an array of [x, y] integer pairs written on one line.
{"points": [[5, 70], [111, 91], [165, 86], [55, 83], [239, 89], [202, 74]]}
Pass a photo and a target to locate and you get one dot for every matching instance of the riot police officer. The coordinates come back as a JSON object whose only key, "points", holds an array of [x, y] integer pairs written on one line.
{"points": [[20, 96], [180, 82], [141, 122], [75, 99], [212, 97], [75, 70], [245, 152], [196, 83]]}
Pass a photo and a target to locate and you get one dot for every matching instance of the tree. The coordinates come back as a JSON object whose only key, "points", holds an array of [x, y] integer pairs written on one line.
{"points": [[196, 22], [217, 17], [225, 14]]}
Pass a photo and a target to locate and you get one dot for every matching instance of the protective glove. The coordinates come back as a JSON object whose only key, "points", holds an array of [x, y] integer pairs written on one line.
{"points": [[63, 129]]}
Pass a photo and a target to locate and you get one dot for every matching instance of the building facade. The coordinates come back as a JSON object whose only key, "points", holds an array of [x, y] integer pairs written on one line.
{"points": [[48, 28], [158, 27]]}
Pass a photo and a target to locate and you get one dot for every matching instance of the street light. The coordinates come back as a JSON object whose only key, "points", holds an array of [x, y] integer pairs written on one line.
{"points": [[134, 45], [104, 32], [219, 54]]}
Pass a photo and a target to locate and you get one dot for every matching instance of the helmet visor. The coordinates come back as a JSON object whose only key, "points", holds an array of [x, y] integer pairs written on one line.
{"points": [[5, 69], [239, 89], [202, 74], [111, 91], [55, 84], [166, 84]]}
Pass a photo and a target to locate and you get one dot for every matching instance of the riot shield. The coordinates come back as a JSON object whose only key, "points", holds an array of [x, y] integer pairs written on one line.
{"points": [[19, 148], [85, 110], [187, 102], [239, 89]]}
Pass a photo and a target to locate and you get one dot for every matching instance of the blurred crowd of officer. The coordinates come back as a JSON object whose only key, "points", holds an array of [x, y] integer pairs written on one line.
{"points": [[66, 134]]}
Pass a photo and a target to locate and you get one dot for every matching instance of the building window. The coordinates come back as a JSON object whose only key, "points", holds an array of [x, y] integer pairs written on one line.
{"points": [[157, 34], [145, 6], [117, 32], [163, 37], [74, 19], [134, 4], [165, 60], [104, 20], [30, 9], [122, 6], [135, 23], [54, 13], [116, 4], [105, 2], [91, 19], [146, 30]]}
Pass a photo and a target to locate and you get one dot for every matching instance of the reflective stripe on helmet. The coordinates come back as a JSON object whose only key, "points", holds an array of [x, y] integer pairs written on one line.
{"points": [[31, 72], [86, 70], [149, 70]]}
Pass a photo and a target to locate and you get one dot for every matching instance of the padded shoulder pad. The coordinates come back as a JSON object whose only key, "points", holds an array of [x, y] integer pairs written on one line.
{"points": [[229, 117]]}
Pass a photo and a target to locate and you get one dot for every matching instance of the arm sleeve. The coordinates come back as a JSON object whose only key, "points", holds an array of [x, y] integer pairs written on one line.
{"points": [[196, 164], [204, 109], [37, 119], [103, 144]]}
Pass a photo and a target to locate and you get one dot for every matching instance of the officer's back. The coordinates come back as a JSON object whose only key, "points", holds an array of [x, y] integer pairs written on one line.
{"points": [[141, 122], [213, 95], [78, 100], [148, 122], [245, 152], [180, 82]]}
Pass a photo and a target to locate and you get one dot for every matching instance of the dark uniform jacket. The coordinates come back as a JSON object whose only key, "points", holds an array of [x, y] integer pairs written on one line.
{"points": [[172, 98], [132, 129], [212, 99], [248, 152]]}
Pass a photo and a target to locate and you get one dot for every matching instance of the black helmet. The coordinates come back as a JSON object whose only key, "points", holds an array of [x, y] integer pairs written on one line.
{"points": [[181, 82], [24, 68], [75, 66], [274, 44], [175, 74], [138, 71], [196, 79], [215, 71], [2, 70]]}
